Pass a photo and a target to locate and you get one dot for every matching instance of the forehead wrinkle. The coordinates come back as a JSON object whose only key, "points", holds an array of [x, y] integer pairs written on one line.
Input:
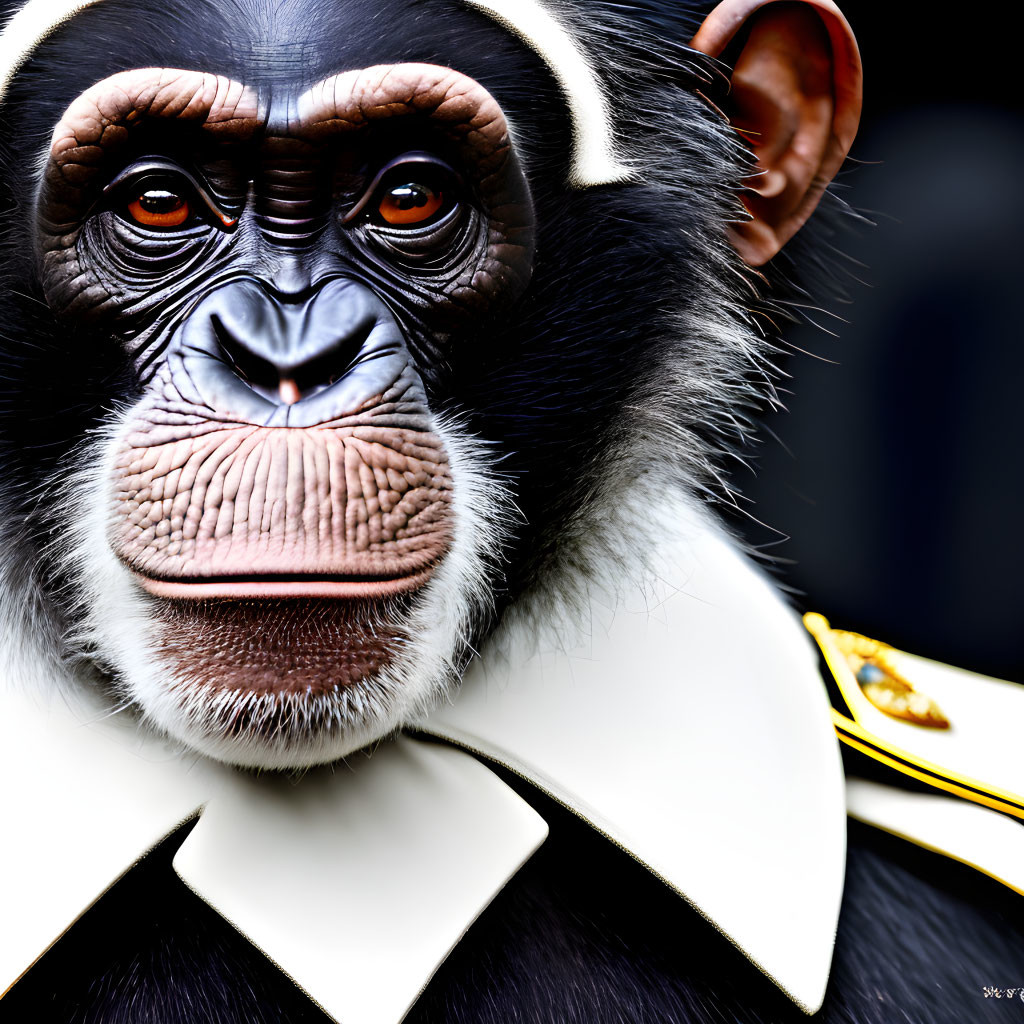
{"points": [[129, 98], [279, 105], [444, 96]]}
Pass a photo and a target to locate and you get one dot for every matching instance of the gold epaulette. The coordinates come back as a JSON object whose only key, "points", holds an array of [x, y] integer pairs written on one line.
{"points": [[878, 685]]}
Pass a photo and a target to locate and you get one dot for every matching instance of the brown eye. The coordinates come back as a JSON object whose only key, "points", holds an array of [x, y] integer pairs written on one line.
{"points": [[158, 208], [411, 204]]}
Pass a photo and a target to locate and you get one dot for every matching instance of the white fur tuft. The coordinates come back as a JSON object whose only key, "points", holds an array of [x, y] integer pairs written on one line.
{"points": [[594, 157]]}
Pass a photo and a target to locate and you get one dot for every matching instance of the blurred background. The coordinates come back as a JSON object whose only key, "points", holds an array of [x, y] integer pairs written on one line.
{"points": [[896, 474]]}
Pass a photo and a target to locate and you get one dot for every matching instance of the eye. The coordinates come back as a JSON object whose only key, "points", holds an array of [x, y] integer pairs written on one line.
{"points": [[413, 203], [160, 208], [414, 191], [157, 193]]}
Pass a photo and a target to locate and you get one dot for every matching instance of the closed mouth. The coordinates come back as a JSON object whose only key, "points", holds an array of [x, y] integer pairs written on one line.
{"points": [[259, 587]]}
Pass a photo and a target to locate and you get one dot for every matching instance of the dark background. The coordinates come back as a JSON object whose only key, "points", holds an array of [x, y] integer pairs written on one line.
{"points": [[897, 472]]}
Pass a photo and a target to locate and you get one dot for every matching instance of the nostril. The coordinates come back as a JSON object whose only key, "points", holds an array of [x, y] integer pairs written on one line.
{"points": [[259, 373], [324, 369], [287, 382]]}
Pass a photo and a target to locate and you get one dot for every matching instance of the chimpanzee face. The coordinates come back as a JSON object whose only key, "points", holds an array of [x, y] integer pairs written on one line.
{"points": [[279, 495]]}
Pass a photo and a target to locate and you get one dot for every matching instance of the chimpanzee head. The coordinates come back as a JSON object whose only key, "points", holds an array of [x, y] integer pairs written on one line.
{"points": [[334, 330]]}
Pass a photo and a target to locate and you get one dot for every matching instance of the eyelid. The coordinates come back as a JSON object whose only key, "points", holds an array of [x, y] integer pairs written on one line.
{"points": [[155, 164], [406, 158]]}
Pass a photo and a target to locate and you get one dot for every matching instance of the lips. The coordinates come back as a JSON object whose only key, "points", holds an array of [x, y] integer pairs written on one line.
{"points": [[271, 587]]}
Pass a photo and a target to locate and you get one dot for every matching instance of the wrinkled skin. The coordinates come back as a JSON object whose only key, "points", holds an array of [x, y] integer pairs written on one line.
{"points": [[283, 449]]}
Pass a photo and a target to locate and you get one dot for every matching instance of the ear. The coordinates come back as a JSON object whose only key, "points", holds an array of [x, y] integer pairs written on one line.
{"points": [[796, 98]]}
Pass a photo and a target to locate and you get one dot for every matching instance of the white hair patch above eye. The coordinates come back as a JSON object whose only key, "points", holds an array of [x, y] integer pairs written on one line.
{"points": [[28, 28], [594, 161]]}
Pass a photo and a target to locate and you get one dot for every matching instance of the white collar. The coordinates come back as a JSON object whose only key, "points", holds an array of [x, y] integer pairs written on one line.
{"points": [[690, 727]]}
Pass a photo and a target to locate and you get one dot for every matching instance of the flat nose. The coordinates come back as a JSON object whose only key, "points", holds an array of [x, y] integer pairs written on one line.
{"points": [[287, 351], [247, 352]]}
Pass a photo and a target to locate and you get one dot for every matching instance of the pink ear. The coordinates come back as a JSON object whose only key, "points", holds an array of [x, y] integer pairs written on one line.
{"points": [[765, 53]]}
